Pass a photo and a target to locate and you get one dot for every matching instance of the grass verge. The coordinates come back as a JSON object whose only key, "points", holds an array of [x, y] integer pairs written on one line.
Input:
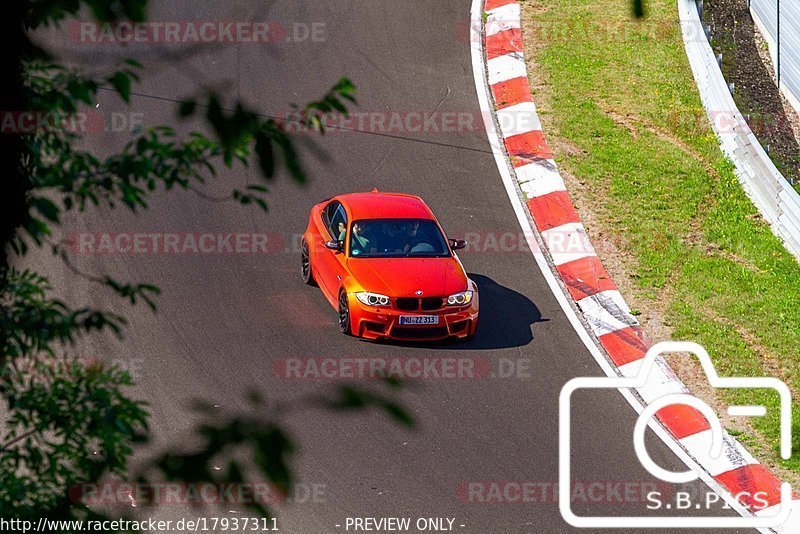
{"points": [[624, 117]]}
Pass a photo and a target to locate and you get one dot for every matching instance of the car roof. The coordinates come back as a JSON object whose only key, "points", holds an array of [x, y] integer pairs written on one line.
{"points": [[376, 205]]}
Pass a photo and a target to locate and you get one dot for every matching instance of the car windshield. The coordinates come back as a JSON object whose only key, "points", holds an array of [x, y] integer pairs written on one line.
{"points": [[397, 238]]}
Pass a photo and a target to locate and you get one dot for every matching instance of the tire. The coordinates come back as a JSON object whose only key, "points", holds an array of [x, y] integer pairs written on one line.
{"points": [[344, 314], [305, 264]]}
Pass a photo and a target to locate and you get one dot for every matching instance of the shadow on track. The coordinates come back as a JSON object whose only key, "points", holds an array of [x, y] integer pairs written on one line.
{"points": [[505, 320]]}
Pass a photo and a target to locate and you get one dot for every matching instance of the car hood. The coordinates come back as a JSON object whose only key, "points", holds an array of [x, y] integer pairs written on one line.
{"points": [[403, 277]]}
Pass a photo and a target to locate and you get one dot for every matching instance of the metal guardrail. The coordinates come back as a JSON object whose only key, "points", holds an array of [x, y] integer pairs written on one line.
{"points": [[779, 22], [772, 194]]}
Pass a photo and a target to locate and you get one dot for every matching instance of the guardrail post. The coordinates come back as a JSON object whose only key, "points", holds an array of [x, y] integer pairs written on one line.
{"points": [[778, 38]]}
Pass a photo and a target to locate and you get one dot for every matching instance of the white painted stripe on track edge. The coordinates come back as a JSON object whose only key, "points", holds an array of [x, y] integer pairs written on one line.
{"points": [[567, 243], [733, 455], [482, 90], [518, 119], [540, 178], [606, 312], [661, 381], [506, 67], [502, 18]]}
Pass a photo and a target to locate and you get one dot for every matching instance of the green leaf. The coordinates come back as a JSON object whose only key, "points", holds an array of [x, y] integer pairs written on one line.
{"points": [[291, 159], [398, 413], [346, 89], [122, 84], [80, 91], [338, 106], [187, 108], [47, 208], [266, 157]]}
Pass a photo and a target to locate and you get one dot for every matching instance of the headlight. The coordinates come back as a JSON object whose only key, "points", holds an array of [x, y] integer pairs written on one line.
{"points": [[372, 299], [460, 299]]}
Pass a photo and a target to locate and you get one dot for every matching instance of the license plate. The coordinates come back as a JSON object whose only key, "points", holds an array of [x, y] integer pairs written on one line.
{"points": [[419, 319]]}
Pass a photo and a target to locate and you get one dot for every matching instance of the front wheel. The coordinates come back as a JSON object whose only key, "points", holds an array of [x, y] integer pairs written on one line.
{"points": [[344, 314]]}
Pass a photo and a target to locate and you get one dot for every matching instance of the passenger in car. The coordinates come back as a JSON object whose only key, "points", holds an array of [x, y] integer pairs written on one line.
{"points": [[359, 242]]}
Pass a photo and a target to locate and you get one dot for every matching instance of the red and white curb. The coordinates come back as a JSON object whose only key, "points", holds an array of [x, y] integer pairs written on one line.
{"points": [[568, 251]]}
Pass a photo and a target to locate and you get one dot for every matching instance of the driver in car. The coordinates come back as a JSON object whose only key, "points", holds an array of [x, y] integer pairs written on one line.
{"points": [[413, 237]]}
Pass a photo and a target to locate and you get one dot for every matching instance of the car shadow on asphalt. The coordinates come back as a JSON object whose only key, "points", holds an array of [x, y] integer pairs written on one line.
{"points": [[504, 322]]}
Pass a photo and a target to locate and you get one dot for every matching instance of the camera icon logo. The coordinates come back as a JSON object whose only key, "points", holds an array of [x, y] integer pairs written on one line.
{"points": [[646, 417]]}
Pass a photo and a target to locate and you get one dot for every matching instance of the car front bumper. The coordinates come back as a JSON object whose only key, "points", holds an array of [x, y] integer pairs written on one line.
{"points": [[370, 322]]}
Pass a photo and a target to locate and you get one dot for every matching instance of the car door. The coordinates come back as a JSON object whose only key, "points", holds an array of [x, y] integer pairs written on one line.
{"points": [[332, 269]]}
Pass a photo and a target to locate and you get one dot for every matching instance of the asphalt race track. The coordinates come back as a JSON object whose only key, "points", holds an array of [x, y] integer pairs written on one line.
{"points": [[224, 320]]}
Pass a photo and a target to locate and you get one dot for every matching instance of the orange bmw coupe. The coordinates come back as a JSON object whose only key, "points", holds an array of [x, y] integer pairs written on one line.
{"points": [[382, 260]]}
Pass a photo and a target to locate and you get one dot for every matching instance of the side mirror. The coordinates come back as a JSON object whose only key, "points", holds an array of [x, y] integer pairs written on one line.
{"points": [[458, 244], [334, 245]]}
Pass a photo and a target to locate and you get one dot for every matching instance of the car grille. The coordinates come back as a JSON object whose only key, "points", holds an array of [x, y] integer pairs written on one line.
{"points": [[412, 304], [407, 304], [432, 303]]}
